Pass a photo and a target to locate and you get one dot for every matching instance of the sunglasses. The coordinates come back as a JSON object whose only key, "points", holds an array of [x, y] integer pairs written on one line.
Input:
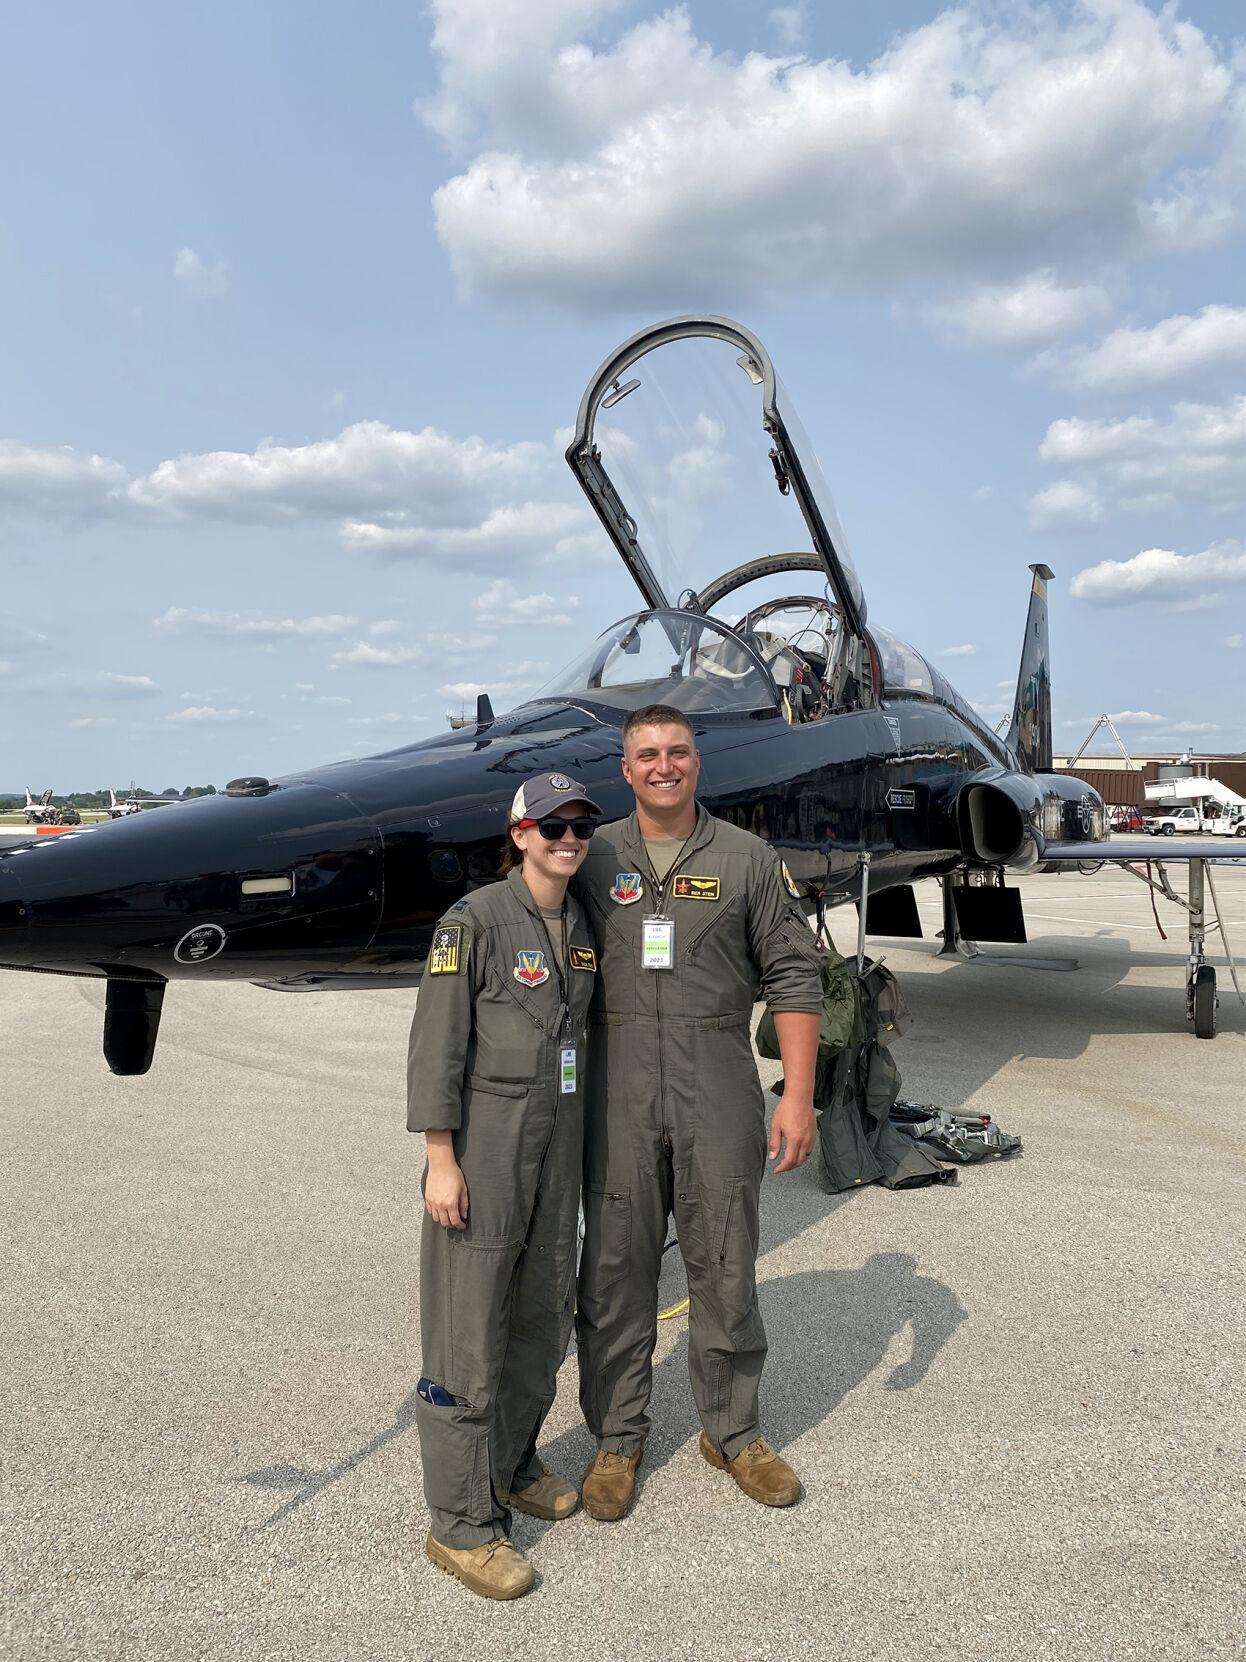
{"points": [[555, 827]]}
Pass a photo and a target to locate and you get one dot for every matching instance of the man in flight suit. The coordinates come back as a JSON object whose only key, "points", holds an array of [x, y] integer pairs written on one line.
{"points": [[693, 916]]}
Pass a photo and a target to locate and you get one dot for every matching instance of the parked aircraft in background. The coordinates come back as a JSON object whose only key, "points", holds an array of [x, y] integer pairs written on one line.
{"points": [[120, 806], [39, 809], [818, 729]]}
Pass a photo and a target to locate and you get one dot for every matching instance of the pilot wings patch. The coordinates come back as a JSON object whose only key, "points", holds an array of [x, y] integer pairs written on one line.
{"points": [[687, 887]]}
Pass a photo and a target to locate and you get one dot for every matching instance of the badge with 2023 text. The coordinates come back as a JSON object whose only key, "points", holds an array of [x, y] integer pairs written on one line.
{"points": [[657, 944]]}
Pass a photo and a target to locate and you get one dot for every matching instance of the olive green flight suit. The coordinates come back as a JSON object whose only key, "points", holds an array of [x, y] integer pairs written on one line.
{"points": [[675, 1118], [496, 1298]]}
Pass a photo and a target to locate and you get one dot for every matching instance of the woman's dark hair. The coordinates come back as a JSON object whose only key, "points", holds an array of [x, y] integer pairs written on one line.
{"points": [[512, 855]]}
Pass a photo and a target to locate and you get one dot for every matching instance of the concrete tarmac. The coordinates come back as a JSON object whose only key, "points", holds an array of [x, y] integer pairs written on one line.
{"points": [[1016, 1403]]}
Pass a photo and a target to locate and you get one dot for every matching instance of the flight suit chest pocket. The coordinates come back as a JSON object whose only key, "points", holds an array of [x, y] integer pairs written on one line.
{"points": [[714, 959], [509, 1040]]}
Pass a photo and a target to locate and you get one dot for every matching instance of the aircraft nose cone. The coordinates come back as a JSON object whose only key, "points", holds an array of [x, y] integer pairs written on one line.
{"points": [[14, 926], [229, 885]]}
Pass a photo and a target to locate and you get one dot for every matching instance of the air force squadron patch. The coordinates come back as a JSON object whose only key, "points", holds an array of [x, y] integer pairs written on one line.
{"points": [[445, 958], [627, 889], [789, 882], [582, 957], [530, 969], [687, 887]]}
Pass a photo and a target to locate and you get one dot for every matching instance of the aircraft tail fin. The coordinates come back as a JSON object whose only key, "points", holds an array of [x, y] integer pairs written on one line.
{"points": [[1030, 732]]}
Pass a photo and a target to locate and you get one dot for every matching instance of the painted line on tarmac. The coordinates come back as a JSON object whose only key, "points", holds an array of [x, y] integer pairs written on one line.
{"points": [[1110, 923]]}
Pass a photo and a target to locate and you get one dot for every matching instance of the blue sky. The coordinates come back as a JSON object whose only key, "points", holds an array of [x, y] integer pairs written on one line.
{"points": [[299, 303]]}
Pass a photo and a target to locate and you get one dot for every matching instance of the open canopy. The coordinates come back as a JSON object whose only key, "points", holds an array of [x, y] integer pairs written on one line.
{"points": [[696, 463]]}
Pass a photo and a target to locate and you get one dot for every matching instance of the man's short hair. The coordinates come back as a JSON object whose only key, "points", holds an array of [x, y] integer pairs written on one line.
{"points": [[656, 715]]}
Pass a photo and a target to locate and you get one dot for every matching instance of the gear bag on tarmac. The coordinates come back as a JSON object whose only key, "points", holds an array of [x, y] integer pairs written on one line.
{"points": [[864, 1134]]}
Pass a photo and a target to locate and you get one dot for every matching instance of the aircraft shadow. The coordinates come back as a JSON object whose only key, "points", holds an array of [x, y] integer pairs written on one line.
{"points": [[959, 1039]]}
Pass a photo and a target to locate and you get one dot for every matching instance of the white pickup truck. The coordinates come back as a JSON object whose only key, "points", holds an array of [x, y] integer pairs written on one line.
{"points": [[1229, 822]]}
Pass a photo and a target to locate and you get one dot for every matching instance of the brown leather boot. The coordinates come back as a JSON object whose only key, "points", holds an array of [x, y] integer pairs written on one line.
{"points": [[609, 1486], [495, 1571], [763, 1475], [551, 1497]]}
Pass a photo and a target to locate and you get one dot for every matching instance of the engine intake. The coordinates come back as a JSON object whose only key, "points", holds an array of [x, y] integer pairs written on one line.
{"points": [[1009, 819]]}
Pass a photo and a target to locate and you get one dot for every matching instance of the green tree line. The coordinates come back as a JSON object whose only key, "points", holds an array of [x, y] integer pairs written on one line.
{"points": [[9, 800]]}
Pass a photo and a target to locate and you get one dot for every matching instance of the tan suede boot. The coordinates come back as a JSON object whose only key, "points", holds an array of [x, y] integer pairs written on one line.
{"points": [[551, 1497], [763, 1475], [495, 1570], [609, 1486]]}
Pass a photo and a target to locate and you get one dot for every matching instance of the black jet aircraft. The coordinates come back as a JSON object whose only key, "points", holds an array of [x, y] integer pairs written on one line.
{"points": [[818, 729]]}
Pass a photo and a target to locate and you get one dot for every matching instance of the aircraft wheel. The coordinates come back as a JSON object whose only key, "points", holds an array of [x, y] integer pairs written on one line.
{"points": [[1205, 1003], [1170, 830]]}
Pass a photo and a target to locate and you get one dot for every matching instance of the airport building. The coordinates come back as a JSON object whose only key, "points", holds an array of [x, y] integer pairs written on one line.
{"points": [[1122, 781]]}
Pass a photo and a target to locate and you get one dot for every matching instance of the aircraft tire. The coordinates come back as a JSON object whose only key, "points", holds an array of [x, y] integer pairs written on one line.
{"points": [[1205, 1003]]}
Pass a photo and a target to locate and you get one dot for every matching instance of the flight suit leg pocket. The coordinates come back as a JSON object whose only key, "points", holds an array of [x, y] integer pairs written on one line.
{"points": [[479, 1278], [454, 1448], [607, 1238], [735, 1262]]}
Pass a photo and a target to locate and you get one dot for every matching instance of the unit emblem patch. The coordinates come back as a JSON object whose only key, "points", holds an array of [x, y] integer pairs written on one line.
{"points": [[530, 969], [445, 957], [687, 887], [789, 882], [582, 957], [559, 782], [627, 888]]}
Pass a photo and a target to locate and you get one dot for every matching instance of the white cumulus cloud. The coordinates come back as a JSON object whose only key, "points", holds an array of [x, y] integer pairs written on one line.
{"points": [[199, 280], [1063, 506], [959, 651], [250, 626], [1142, 462], [1180, 349], [628, 163], [1025, 314], [501, 604], [528, 531], [1136, 718], [56, 481], [1160, 574], [368, 467], [208, 713]]}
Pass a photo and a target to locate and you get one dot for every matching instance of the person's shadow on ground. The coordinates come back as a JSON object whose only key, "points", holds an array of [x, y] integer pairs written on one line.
{"points": [[828, 1331]]}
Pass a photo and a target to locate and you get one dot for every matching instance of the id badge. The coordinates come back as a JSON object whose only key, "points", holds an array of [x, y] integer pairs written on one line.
{"points": [[566, 1070], [657, 944]]}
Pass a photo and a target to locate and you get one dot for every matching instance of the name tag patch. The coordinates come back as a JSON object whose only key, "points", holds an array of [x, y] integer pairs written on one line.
{"points": [[687, 887], [530, 969], [582, 957], [445, 956]]}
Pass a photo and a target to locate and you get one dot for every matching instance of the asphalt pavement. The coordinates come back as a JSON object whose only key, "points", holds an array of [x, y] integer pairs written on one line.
{"points": [[1016, 1403]]}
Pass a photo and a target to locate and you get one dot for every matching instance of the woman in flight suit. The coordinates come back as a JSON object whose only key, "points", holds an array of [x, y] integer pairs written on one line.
{"points": [[495, 1072]]}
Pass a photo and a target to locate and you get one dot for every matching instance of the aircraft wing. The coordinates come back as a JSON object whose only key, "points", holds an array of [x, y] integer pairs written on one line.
{"points": [[1129, 850]]}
